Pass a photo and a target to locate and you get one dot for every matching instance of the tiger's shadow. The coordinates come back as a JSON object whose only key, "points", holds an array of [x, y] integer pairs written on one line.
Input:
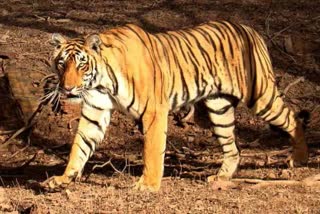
{"points": [[179, 162]]}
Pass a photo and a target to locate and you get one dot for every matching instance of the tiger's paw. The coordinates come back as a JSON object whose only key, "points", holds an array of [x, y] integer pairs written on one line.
{"points": [[56, 183], [221, 183], [142, 185]]}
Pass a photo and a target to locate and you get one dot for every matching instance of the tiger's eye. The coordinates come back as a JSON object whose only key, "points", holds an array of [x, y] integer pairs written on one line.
{"points": [[60, 64]]}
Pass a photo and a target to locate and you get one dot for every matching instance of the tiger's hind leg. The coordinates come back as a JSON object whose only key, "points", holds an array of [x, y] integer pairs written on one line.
{"points": [[221, 113], [272, 109]]}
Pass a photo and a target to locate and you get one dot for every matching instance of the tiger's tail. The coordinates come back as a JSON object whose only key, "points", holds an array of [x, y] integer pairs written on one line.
{"points": [[304, 117], [271, 108]]}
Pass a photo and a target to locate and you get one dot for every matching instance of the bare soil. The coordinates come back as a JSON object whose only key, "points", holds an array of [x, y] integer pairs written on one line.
{"points": [[292, 31]]}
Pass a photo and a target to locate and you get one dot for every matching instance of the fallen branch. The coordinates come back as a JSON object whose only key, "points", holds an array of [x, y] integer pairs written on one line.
{"points": [[258, 183], [6, 132], [312, 178], [300, 79]]}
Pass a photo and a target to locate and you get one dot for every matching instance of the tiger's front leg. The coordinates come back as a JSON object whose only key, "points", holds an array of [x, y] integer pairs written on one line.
{"points": [[91, 129], [155, 134]]}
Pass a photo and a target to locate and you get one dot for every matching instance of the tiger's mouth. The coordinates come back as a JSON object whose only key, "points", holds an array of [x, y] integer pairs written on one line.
{"points": [[71, 96]]}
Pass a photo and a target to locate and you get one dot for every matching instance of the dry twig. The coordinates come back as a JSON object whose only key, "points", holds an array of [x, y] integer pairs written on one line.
{"points": [[29, 124], [106, 164], [71, 121], [303, 22], [19, 151], [300, 79]]}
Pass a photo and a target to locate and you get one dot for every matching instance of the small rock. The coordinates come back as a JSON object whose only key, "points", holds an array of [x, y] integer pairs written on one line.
{"points": [[286, 174], [190, 138], [272, 175], [4, 12]]}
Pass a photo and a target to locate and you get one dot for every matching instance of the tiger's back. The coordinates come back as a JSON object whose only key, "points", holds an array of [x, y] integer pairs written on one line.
{"points": [[188, 65]]}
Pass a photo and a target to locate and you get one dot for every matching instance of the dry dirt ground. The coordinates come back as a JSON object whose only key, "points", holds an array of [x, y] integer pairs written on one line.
{"points": [[292, 31]]}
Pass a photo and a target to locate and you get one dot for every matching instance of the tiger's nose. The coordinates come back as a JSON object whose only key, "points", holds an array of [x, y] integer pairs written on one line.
{"points": [[68, 89]]}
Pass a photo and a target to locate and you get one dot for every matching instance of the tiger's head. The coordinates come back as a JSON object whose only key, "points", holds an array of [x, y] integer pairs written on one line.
{"points": [[75, 63]]}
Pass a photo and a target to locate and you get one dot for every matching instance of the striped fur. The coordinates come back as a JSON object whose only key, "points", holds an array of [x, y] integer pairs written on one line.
{"points": [[147, 75]]}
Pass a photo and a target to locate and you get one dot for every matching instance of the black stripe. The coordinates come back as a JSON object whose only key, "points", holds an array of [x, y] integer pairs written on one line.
{"points": [[224, 125], [168, 39], [222, 49], [94, 122], [86, 141], [220, 136], [101, 89], [138, 35], [188, 44], [144, 109], [146, 46], [220, 111], [235, 36], [285, 121], [238, 76], [84, 152], [177, 39], [185, 92], [214, 26], [164, 50], [207, 58], [205, 55], [91, 104], [252, 72], [208, 29], [133, 96], [175, 101], [228, 143], [269, 105], [276, 115], [113, 78], [228, 39], [118, 38], [204, 83], [234, 155], [94, 68], [214, 56], [155, 62], [226, 152]]}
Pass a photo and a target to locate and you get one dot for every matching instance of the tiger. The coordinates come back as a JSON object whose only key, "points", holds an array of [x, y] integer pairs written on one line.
{"points": [[148, 75]]}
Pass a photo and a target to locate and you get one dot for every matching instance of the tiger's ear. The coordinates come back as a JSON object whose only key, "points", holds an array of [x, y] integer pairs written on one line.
{"points": [[57, 39], [93, 42]]}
